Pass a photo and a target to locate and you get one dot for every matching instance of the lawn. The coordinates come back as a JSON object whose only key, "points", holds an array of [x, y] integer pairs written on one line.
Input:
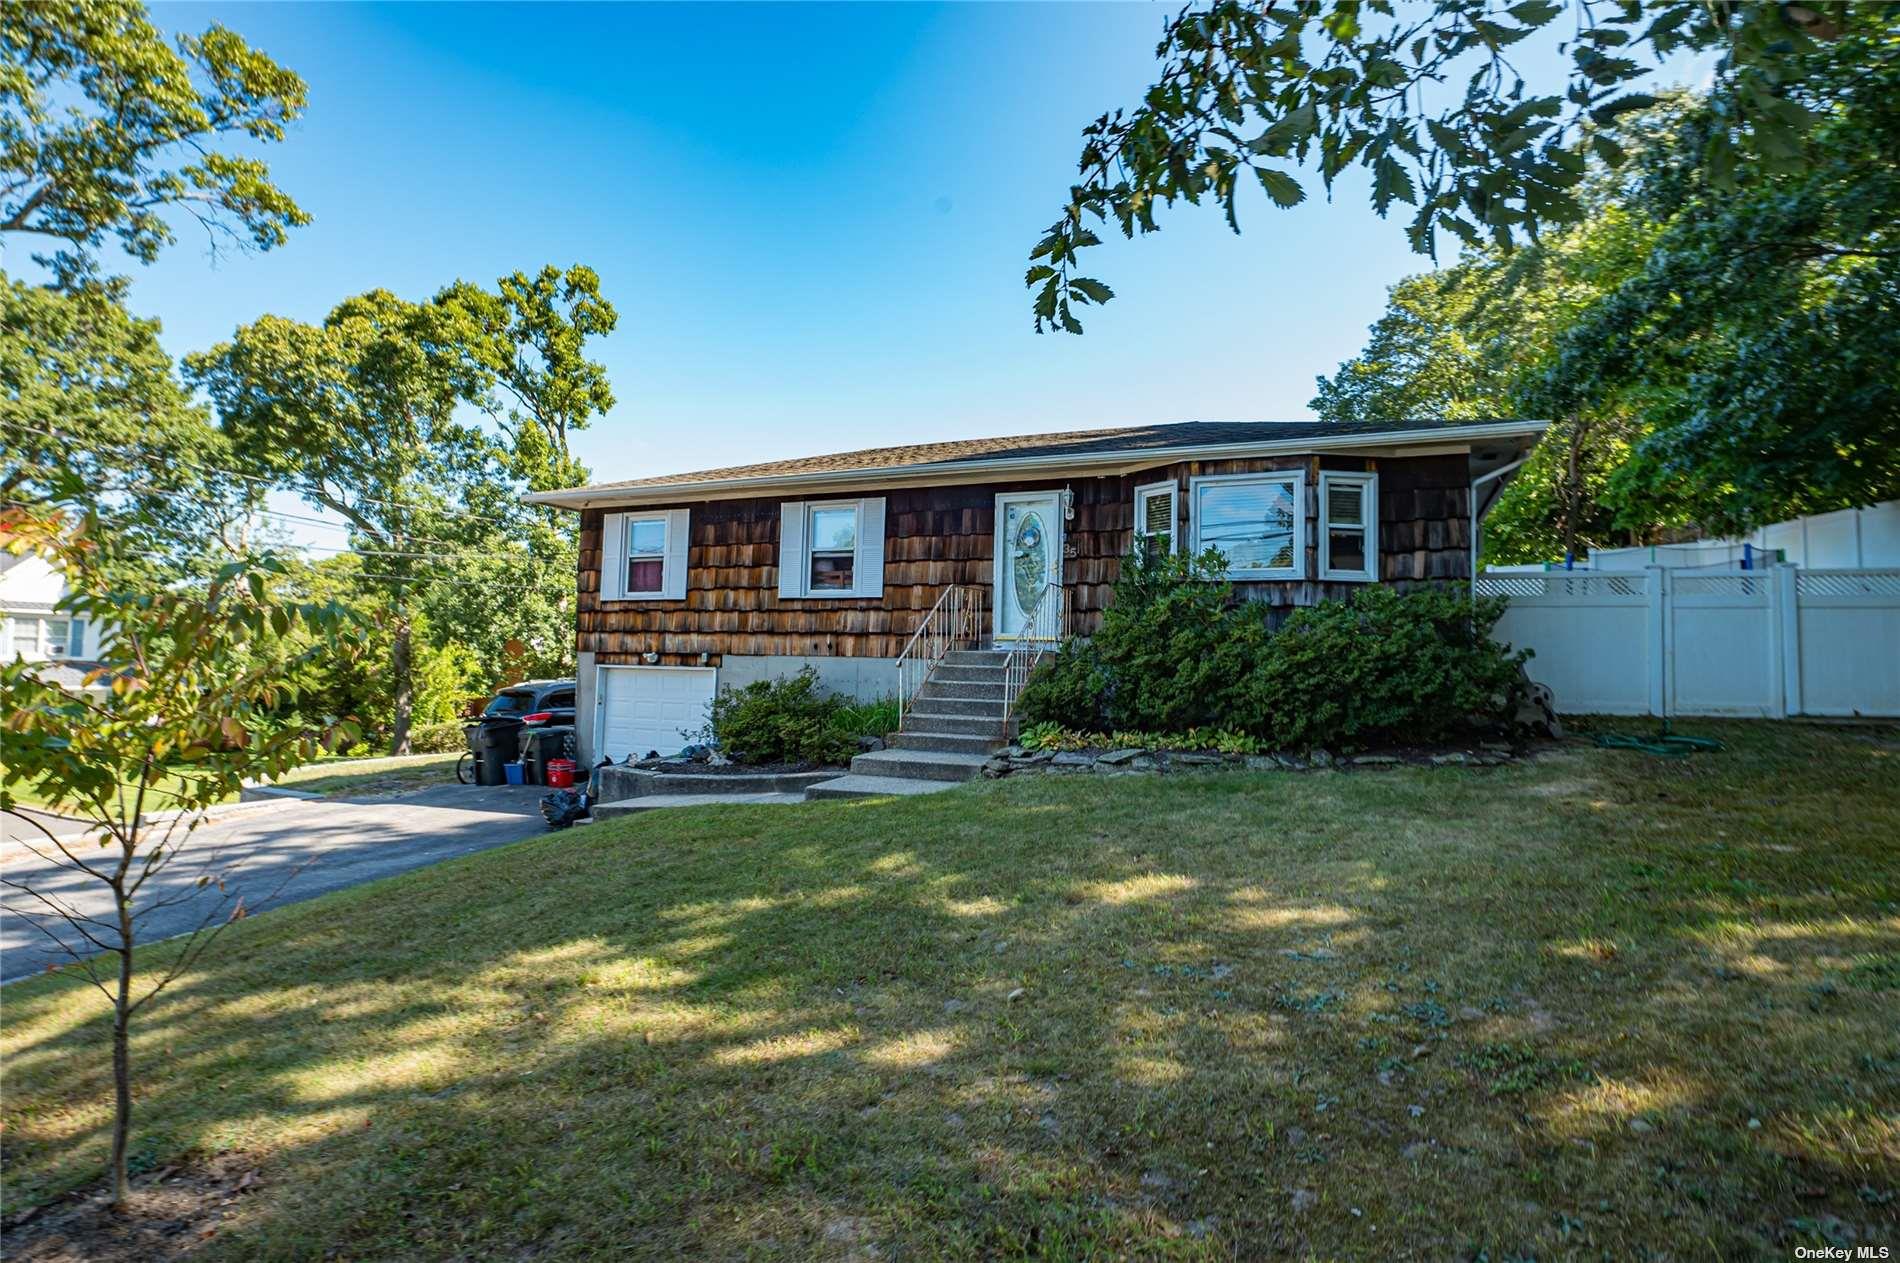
{"points": [[329, 777], [386, 775], [1600, 1005]]}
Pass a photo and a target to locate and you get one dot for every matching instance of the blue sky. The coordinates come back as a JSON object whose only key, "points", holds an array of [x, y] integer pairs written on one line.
{"points": [[813, 219]]}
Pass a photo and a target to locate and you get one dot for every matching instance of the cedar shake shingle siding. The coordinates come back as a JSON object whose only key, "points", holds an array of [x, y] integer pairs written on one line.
{"points": [[935, 536]]}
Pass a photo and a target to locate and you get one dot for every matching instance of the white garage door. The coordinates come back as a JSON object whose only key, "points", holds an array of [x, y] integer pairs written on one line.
{"points": [[651, 708]]}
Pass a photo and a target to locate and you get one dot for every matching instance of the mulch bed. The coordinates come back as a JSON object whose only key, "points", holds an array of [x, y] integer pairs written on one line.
{"points": [[169, 1214]]}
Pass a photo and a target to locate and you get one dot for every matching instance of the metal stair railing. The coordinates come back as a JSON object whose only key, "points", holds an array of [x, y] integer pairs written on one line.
{"points": [[1046, 627], [955, 621]]}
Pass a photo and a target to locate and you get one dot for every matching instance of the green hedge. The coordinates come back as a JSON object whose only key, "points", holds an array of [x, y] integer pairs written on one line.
{"points": [[1176, 651], [443, 738]]}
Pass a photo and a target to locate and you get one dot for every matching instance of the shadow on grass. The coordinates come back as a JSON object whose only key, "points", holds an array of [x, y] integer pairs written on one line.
{"points": [[1529, 1011]]}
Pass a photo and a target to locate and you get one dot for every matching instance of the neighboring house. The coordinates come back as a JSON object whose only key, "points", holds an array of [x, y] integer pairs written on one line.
{"points": [[690, 582], [30, 589], [33, 628]]}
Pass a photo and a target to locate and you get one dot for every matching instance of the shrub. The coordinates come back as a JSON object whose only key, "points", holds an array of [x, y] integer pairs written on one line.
{"points": [[1387, 666], [1177, 654], [1068, 690], [869, 719], [443, 738], [1176, 646], [790, 720]]}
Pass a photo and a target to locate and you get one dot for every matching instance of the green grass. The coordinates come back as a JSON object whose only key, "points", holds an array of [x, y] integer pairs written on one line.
{"points": [[1598, 1006], [387, 775], [330, 777], [161, 795]]}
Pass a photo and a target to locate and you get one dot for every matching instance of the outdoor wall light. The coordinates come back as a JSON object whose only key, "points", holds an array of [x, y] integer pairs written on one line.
{"points": [[1068, 504], [649, 657]]}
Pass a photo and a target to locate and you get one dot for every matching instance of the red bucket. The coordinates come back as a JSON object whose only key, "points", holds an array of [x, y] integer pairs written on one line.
{"points": [[560, 773]]}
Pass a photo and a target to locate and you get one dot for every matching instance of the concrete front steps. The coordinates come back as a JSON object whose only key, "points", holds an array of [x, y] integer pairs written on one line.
{"points": [[952, 727]]}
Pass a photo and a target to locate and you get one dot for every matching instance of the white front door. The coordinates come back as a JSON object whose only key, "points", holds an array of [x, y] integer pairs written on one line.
{"points": [[1028, 560], [650, 708]]}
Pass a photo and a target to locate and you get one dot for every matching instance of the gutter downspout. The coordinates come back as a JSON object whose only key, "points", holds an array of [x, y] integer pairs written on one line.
{"points": [[1477, 514]]}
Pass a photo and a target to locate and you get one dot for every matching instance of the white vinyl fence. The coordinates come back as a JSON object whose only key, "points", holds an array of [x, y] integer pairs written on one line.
{"points": [[1763, 643]]}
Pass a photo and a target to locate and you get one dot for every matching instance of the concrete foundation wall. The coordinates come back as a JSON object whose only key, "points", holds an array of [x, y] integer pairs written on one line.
{"points": [[586, 689], [865, 679]]}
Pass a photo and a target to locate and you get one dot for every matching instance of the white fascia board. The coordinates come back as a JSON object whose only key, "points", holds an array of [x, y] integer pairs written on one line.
{"points": [[949, 473]]}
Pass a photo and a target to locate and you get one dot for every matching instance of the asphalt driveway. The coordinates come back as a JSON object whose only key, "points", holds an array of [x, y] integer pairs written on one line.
{"points": [[277, 853]]}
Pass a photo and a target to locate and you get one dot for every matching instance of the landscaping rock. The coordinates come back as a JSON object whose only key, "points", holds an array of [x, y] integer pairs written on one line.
{"points": [[1074, 758], [1322, 758], [1146, 763], [1195, 759], [997, 766], [1039, 756], [1115, 758], [1011, 751], [1017, 994], [1374, 760], [868, 744], [1453, 759]]}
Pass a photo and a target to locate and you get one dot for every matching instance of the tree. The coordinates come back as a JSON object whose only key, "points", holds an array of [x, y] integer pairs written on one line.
{"points": [[527, 343], [358, 415], [1758, 337], [1472, 342], [94, 405], [105, 129], [189, 711], [1252, 88]]}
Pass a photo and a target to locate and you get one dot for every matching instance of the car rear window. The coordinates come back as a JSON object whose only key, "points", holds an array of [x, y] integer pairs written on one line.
{"points": [[510, 704], [557, 701]]}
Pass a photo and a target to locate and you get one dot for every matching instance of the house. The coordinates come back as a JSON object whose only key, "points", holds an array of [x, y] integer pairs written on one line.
{"points": [[871, 564], [32, 626]]}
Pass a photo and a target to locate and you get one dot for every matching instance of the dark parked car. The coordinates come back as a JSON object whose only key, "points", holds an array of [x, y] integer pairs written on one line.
{"points": [[496, 737]]}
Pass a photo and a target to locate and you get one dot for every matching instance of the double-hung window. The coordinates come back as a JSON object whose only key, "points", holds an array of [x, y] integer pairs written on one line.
{"points": [[646, 556], [643, 555], [1155, 530], [1256, 521], [832, 530], [831, 548], [35, 638], [1349, 526]]}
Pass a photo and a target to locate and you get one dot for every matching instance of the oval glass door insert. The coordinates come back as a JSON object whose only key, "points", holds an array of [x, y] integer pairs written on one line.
{"points": [[1029, 562]]}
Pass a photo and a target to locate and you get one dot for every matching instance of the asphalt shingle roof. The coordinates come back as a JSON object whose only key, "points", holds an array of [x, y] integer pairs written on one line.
{"points": [[1131, 439]]}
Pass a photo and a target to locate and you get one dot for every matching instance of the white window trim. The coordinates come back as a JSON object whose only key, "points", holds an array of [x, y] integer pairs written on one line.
{"points": [[1148, 491], [867, 566], [616, 530], [1368, 484], [1295, 476]]}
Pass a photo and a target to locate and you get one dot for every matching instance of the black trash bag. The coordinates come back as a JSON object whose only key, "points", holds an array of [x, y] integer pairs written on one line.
{"points": [[563, 807]]}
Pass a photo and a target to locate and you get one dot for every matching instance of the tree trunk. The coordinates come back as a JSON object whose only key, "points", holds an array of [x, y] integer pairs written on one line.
{"points": [[122, 1058], [399, 663], [1573, 488]]}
